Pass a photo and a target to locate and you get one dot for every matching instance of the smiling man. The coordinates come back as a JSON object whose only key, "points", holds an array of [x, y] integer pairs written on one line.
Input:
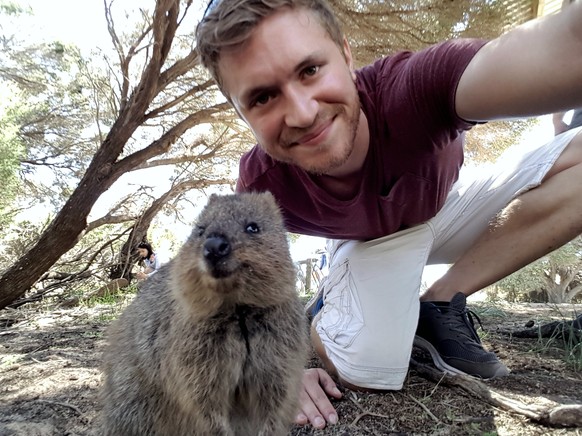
{"points": [[371, 159], [297, 117]]}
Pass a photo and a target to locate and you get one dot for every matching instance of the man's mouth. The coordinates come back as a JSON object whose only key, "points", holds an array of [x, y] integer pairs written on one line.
{"points": [[315, 136]]}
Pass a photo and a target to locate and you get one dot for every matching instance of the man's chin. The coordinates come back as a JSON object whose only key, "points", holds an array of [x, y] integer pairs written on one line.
{"points": [[316, 163], [324, 167], [321, 170]]}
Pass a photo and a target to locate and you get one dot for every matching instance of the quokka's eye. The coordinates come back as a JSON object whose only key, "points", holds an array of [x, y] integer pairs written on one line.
{"points": [[200, 230], [252, 228]]}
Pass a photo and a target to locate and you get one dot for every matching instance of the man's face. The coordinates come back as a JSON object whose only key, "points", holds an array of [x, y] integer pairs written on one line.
{"points": [[295, 88]]}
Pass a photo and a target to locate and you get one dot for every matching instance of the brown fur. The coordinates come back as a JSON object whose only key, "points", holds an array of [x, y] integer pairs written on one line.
{"points": [[212, 346]]}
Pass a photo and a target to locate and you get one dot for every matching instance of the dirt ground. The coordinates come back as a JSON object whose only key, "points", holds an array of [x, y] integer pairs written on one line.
{"points": [[50, 379]]}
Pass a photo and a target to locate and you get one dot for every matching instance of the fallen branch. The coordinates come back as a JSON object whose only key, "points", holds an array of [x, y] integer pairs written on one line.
{"points": [[39, 295], [557, 329], [426, 409], [560, 415]]}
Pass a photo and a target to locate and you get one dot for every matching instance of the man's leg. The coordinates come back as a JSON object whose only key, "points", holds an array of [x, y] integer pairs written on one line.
{"points": [[365, 330], [541, 190], [531, 226]]}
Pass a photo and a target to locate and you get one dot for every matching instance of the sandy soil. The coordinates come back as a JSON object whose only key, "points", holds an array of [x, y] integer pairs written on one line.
{"points": [[50, 379]]}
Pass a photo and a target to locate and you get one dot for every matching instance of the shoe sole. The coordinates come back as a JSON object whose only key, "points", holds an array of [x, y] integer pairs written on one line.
{"points": [[438, 361], [423, 344]]}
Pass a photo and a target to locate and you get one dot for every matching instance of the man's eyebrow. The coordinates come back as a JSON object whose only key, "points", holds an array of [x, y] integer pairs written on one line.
{"points": [[309, 60], [252, 93]]}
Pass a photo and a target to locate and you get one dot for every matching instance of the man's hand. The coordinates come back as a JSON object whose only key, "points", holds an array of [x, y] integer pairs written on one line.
{"points": [[313, 399]]}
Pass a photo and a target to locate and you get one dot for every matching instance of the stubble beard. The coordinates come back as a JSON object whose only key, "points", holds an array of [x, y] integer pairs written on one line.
{"points": [[338, 159]]}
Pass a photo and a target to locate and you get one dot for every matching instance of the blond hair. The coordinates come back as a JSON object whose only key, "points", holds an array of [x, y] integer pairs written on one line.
{"points": [[228, 24]]}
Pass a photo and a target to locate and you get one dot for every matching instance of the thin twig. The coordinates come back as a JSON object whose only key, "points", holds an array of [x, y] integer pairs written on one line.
{"points": [[364, 412], [426, 409], [58, 403]]}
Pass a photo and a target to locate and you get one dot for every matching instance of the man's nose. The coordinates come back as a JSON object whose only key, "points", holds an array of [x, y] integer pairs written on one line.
{"points": [[301, 108]]}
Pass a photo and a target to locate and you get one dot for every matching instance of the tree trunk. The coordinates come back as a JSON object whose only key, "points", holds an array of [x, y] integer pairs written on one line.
{"points": [[138, 234], [557, 292]]}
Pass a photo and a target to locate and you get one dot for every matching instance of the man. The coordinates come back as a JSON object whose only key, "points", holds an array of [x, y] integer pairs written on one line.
{"points": [[371, 158]]}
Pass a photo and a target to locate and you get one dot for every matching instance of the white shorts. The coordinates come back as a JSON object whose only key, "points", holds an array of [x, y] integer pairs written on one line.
{"points": [[371, 294]]}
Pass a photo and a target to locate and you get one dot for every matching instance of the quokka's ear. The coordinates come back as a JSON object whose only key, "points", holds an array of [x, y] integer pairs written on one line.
{"points": [[212, 198], [269, 202], [268, 197]]}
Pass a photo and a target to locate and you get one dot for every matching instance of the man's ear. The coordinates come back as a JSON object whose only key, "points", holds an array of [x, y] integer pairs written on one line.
{"points": [[348, 57]]}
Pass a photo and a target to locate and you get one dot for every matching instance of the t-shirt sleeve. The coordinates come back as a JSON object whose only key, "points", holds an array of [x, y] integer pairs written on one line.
{"points": [[441, 69], [422, 85], [243, 174]]}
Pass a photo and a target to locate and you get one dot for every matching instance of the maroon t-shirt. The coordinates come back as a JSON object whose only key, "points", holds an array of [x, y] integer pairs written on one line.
{"points": [[415, 153]]}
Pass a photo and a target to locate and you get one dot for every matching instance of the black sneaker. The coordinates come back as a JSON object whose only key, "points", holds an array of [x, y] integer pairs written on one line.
{"points": [[447, 332]]}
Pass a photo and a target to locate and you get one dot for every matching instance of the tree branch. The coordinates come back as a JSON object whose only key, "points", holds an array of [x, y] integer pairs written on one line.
{"points": [[163, 144], [551, 415]]}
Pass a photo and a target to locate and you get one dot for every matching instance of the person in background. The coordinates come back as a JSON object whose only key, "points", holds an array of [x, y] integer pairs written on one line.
{"points": [[150, 260]]}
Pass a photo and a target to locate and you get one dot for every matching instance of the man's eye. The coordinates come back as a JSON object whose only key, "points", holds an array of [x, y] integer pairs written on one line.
{"points": [[311, 71], [262, 99]]}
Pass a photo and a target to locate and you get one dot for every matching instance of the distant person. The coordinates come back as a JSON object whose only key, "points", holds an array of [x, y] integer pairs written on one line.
{"points": [[560, 126], [150, 260]]}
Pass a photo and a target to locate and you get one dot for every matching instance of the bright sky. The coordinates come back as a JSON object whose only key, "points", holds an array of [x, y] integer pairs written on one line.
{"points": [[66, 21], [82, 22]]}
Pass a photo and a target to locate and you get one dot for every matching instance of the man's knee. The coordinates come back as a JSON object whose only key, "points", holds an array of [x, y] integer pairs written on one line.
{"points": [[328, 364], [370, 364], [571, 156]]}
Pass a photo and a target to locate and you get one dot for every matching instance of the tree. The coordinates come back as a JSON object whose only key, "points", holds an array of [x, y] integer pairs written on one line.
{"points": [[164, 85], [11, 151], [376, 28], [555, 278]]}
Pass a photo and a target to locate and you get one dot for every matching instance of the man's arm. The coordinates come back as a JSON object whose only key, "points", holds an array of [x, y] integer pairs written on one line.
{"points": [[534, 69]]}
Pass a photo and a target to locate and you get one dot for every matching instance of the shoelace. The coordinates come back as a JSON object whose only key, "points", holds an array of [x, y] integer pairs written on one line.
{"points": [[467, 319]]}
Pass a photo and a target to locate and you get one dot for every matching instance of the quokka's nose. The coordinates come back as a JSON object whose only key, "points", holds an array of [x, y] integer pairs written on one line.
{"points": [[216, 247]]}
